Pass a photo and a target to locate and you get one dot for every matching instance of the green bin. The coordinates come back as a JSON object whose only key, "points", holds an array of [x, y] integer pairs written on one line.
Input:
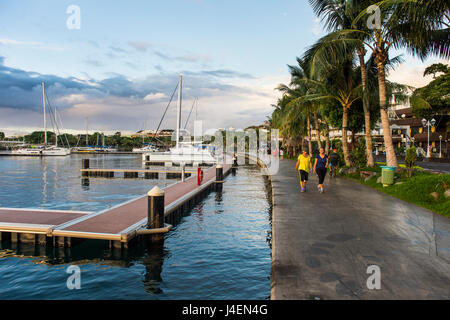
{"points": [[387, 175]]}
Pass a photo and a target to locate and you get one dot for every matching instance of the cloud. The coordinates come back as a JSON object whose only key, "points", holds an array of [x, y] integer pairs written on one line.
{"points": [[16, 42], [140, 45], [152, 97], [93, 62], [317, 28], [223, 73], [187, 58], [119, 103], [5, 41], [411, 73]]}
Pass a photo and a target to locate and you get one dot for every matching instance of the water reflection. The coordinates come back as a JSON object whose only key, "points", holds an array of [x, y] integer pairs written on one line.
{"points": [[151, 256], [219, 250]]}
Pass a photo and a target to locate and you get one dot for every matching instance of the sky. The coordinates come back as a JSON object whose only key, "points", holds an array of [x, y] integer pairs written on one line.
{"points": [[121, 66]]}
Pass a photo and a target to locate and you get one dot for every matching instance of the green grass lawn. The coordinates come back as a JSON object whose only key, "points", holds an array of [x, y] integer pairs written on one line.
{"points": [[415, 190]]}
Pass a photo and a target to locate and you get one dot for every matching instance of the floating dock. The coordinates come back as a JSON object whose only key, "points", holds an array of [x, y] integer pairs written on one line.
{"points": [[120, 225], [135, 173]]}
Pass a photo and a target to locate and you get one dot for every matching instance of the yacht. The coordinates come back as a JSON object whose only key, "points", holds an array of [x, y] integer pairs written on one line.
{"points": [[27, 150], [44, 150], [187, 153], [145, 148]]}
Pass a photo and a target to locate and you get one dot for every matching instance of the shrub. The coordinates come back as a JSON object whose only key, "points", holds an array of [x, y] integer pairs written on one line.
{"points": [[410, 160], [358, 155]]}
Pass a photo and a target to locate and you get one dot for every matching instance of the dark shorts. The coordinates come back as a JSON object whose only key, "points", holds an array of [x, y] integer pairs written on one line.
{"points": [[303, 176]]}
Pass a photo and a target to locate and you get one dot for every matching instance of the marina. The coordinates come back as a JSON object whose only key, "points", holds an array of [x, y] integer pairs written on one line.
{"points": [[118, 224], [206, 244]]}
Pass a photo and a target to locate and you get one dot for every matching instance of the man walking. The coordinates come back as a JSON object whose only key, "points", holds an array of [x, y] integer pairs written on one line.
{"points": [[334, 162], [303, 166]]}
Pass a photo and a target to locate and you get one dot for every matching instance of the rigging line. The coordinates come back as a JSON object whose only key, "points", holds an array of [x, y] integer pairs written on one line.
{"points": [[192, 108], [168, 105], [54, 119]]}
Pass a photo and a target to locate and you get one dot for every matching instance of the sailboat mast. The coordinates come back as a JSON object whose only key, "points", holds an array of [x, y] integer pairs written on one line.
{"points": [[56, 128], [45, 119], [87, 135], [179, 110], [196, 109]]}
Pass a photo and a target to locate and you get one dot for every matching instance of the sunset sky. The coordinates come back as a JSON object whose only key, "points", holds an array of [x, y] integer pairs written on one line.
{"points": [[120, 68]]}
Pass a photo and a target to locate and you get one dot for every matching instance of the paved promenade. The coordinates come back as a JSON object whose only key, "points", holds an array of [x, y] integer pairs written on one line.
{"points": [[323, 243]]}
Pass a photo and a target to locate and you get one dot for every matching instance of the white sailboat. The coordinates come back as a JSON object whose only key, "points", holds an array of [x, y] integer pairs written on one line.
{"points": [[44, 150], [191, 153]]}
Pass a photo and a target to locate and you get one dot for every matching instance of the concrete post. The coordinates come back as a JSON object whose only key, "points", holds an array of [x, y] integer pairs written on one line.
{"points": [[155, 208], [182, 172], [85, 165], [219, 177]]}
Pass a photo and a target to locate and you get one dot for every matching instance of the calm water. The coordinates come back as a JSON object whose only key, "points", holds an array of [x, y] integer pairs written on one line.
{"points": [[219, 250]]}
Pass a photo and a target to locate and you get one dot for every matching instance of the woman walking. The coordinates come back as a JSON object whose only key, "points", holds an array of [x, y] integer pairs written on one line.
{"points": [[320, 167], [303, 166]]}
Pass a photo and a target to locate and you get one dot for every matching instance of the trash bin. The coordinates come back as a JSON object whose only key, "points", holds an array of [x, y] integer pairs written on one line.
{"points": [[387, 175]]}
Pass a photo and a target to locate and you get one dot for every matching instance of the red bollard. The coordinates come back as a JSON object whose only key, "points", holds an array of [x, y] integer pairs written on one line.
{"points": [[199, 176]]}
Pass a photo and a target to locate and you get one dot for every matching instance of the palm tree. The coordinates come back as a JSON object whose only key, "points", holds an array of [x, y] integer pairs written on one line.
{"points": [[289, 117], [411, 24], [339, 82], [339, 15], [421, 26]]}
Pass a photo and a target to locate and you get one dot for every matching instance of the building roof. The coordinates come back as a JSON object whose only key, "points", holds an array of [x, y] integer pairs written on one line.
{"points": [[434, 136]]}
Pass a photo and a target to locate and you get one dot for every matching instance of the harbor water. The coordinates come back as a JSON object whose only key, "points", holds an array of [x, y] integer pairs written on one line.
{"points": [[221, 249]]}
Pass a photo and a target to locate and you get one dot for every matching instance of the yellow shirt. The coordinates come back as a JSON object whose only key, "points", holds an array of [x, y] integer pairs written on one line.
{"points": [[305, 162]]}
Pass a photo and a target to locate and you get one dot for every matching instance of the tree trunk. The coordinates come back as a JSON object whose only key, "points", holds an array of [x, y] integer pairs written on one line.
{"points": [[309, 136], [344, 137], [366, 107], [391, 158], [327, 136], [316, 126]]}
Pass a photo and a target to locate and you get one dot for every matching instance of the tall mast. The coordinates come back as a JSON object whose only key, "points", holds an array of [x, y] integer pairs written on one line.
{"points": [[179, 110], [87, 135], [56, 127], [196, 109], [45, 120]]}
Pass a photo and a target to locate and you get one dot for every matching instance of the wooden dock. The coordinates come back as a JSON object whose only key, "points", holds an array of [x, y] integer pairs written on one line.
{"points": [[119, 225]]}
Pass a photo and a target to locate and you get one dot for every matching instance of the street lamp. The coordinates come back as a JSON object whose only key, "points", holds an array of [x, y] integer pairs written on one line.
{"points": [[440, 146], [428, 124]]}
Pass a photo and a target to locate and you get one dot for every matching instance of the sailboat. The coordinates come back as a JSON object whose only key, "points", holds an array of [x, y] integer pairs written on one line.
{"points": [[191, 152], [44, 150]]}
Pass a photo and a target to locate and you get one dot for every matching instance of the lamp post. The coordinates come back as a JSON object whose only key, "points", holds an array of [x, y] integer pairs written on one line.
{"points": [[440, 146], [413, 139], [428, 124]]}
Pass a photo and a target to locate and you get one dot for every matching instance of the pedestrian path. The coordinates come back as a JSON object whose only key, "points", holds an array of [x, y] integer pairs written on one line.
{"points": [[323, 244]]}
